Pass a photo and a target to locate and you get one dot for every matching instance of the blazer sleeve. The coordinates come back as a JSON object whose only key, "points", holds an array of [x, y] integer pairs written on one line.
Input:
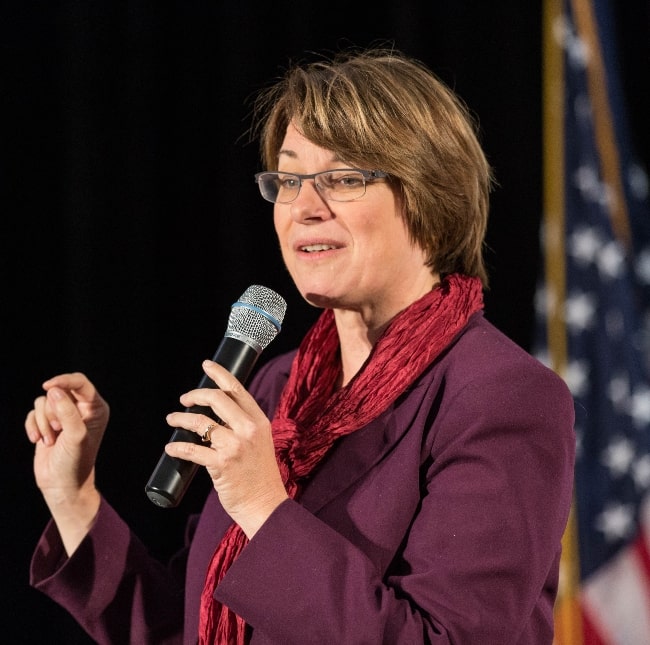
{"points": [[111, 585]]}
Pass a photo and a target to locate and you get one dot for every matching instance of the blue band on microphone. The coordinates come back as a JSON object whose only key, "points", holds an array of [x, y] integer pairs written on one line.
{"points": [[266, 314]]}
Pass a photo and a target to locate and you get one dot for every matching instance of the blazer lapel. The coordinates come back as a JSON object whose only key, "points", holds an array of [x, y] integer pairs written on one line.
{"points": [[355, 454]]}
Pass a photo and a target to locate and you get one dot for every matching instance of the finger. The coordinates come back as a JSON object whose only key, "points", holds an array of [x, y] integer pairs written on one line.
{"points": [[66, 412], [224, 406], [41, 422], [34, 431], [74, 382], [201, 455], [192, 421], [234, 388], [224, 380]]}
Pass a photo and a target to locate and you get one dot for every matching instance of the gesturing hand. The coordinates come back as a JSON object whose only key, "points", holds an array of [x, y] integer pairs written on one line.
{"points": [[67, 425]]}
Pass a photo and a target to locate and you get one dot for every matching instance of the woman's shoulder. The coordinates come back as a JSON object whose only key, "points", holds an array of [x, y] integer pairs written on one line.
{"points": [[484, 357], [487, 382], [489, 347]]}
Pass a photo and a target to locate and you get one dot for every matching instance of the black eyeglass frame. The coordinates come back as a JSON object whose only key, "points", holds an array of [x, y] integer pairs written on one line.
{"points": [[368, 176]]}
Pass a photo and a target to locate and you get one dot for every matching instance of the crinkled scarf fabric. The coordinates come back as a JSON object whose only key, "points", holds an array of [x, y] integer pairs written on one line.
{"points": [[312, 414]]}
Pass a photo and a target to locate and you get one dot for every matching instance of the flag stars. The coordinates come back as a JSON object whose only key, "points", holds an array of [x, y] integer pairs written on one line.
{"points": [[576, 48], [618, 456], [636, 404], [642, 266], [586, 181], [637, 180], [641, 472], [593, 190], [619, 391], [576, 377], [640, 407], [542, 297], [611, 261], [616, 522], [584, 245], [580, 311]]}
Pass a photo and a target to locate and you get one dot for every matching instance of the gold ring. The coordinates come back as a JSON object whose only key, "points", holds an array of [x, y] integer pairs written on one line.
{"points": [[206, 437]]}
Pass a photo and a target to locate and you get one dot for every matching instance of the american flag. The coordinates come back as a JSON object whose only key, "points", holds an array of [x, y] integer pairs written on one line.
{"points": [[593, 324]]}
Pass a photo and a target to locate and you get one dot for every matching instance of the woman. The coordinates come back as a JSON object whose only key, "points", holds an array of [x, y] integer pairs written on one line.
{"points": [[405, 476]]}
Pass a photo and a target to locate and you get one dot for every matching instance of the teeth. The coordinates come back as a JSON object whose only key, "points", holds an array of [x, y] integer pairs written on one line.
{"points": [[316, 247]]}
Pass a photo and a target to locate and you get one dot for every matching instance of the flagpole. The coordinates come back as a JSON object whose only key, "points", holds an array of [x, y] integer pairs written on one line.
{"points": [[568, 623], [603, 121]]}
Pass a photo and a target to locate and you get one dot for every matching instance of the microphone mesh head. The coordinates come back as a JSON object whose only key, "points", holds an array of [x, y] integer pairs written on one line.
{"points": [[256, 317]]}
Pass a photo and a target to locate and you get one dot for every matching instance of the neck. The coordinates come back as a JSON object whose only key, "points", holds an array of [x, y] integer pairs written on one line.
{"points": [[356, 342], [358, 332]]}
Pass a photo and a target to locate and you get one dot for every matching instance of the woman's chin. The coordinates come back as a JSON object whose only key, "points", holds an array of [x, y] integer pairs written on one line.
{"points": [[320, 300]]}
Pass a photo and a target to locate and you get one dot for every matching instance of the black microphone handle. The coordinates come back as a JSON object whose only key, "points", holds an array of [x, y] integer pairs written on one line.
{"points": [[171, 477]]}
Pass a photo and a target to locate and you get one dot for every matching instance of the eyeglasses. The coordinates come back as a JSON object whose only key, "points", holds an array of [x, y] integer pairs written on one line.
{"points": [[340, 185]]}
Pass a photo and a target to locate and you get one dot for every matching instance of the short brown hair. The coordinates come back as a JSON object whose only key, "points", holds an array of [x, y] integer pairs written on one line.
{"points": [[380, 109]]}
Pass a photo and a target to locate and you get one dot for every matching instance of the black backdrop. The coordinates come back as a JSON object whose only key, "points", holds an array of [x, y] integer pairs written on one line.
{"points": [[131, 222]]}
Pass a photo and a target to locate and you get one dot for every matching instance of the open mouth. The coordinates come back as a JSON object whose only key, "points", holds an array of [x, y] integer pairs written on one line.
{"points": [[313, 248]]}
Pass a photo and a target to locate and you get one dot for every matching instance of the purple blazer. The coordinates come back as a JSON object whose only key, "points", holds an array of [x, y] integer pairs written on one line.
{"points": [[439, 522]]}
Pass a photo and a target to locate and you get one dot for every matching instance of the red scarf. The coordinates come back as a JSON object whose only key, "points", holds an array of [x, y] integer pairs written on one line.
{"points": [[312, 414]]}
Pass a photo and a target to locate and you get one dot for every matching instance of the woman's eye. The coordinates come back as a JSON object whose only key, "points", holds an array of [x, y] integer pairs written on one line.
{"points": [[288, 182]]}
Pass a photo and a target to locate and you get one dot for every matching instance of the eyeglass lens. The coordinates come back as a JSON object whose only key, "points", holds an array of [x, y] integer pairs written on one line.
{"points": [[337, 185]]}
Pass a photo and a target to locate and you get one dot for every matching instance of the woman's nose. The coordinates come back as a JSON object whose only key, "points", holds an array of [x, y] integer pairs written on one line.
{"points": [[309, 204]]}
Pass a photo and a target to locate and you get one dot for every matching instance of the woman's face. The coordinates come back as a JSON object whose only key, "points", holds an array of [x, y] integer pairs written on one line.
{"points": [[347, 255]]}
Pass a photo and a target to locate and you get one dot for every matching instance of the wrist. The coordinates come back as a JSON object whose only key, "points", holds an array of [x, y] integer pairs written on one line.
{"points": [[252, 521], [73, 512]]}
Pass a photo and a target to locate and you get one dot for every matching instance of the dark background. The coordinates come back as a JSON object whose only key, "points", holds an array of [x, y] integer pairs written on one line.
{"points": [[130, 220]]}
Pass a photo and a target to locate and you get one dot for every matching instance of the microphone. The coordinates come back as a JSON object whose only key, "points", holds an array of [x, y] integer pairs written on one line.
{"points": [[255, 320]]}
